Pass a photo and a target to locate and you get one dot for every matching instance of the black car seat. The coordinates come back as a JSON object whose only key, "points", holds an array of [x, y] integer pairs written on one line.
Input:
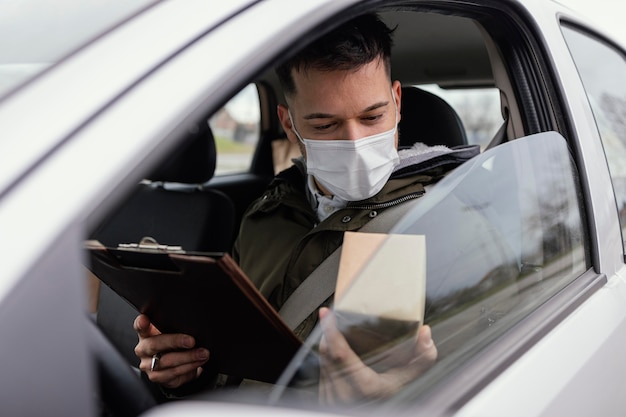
{"points": [[427, 118], [174, 207]]}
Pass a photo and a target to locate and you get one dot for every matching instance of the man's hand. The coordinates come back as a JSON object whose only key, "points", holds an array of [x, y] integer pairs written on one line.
{"points": [[344, 377], [179, 362]]}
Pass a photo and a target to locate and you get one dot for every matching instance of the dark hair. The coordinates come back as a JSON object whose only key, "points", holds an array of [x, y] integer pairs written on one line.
{"points": [[348, 47]]}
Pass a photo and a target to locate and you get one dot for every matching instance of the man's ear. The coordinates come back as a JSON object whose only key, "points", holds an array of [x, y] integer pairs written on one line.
{"points": [[397, 91], [285, 121]]}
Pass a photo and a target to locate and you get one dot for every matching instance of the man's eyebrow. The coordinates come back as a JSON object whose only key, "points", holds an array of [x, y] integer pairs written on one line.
{"points": [[330, 116], [318, 116]]}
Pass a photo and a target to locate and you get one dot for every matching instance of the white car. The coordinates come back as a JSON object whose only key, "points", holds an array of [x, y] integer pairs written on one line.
{"points": [[102, 105]]}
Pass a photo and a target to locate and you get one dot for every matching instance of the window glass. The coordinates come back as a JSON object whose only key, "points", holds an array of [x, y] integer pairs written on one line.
{"points": [[503, 233], [603, 71], [478, 109], [236, 128]]}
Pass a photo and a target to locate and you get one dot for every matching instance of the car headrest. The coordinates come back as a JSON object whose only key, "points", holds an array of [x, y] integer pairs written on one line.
{"points": [[192, 163], [427, 118]]}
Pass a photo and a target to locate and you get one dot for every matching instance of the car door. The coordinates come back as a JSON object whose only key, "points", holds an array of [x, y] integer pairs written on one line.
{"points": [[546, 250]]}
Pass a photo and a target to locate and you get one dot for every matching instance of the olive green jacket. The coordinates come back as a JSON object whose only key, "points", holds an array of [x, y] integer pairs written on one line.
{"points": [[280, 241]]}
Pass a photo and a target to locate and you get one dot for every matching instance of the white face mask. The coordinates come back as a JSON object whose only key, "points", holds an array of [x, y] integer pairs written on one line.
{"points": [[353, 170]]}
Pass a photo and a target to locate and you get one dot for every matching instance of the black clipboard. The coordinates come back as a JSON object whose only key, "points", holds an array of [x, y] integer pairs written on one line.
{"points": [[205, 295]]}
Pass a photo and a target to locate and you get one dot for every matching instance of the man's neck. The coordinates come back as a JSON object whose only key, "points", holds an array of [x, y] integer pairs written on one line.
{"points": [[323, 191]]}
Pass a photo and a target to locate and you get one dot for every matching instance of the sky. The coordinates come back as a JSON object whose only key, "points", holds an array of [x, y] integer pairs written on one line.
{"points": [[610, 14]]}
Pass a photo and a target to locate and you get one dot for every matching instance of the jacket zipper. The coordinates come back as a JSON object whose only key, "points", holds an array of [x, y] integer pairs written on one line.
{"points": [[386, 204]]}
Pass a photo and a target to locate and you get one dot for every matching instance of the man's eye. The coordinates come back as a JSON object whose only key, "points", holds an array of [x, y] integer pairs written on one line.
{"points": [[373, 118], [323, 127]]}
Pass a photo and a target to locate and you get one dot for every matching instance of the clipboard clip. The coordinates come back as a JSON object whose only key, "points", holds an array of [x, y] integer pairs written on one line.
{"points": [[149, 244]]}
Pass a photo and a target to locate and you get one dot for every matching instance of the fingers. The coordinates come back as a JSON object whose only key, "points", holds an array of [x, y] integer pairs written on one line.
{"points": [[175, 350], [163, 343], [183, 361], [426, 348], [144, 327], [176, 368], [334, 346], [345, 378], [151, 341], [179, 362]]}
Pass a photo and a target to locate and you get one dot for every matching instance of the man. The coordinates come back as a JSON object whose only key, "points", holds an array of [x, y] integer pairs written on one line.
{"points": [[343, 111]]}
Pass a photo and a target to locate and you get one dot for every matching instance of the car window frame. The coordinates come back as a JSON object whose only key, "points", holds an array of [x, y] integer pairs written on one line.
{"points": [[531, 72], [599, 39]]}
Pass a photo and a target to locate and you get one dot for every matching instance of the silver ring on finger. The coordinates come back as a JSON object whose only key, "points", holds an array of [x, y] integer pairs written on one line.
{"points": [[155, 361]]}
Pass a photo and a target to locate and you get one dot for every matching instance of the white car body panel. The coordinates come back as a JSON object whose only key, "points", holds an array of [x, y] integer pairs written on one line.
{"points": [[51, 107], [565, 373]]}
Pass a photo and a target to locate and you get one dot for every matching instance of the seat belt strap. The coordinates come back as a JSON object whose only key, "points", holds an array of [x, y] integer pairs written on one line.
{"points": [[501, 135], [320, 284]]}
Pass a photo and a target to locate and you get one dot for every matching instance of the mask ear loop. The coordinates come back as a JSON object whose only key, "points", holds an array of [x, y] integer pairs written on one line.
{"points": [[293, 126], [395, 106]]}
